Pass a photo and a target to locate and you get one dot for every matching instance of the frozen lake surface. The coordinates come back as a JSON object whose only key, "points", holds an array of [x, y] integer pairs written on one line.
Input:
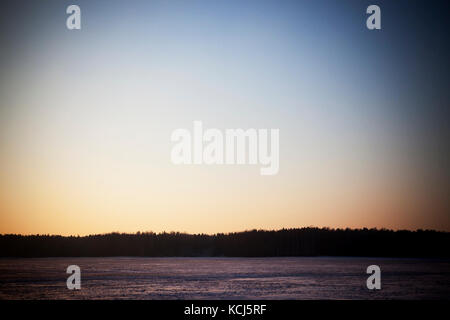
{"points": [[224, 278]]}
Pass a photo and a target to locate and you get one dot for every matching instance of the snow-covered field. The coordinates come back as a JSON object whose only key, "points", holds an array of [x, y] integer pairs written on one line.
{"points": [[224, 278]]}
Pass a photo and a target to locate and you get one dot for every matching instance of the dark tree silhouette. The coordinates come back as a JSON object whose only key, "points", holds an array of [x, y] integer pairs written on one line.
{"points": [[255, 243]]}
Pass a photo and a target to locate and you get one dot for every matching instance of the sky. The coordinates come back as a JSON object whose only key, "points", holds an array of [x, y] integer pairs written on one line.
{"points": [[86, 115]]}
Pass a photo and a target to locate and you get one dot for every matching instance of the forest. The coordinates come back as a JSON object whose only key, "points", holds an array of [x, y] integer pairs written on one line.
{"points": [[254, 243]]}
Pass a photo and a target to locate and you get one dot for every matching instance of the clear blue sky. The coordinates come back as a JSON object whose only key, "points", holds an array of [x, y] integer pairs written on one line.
{"points": [[86, 115]]}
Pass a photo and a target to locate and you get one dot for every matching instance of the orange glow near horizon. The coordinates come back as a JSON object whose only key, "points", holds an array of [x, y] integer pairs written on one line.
{"points": [[47, 197]]}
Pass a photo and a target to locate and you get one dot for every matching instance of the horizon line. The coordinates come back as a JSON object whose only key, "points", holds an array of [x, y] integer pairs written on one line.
{"points": [[226, 233]]}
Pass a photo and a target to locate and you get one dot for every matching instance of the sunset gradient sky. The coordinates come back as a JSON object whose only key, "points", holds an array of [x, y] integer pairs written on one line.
{"points": [[86, 116]]}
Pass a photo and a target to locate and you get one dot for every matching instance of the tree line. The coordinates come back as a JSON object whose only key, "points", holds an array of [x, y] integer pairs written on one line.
{"points": [[254, 243]]}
